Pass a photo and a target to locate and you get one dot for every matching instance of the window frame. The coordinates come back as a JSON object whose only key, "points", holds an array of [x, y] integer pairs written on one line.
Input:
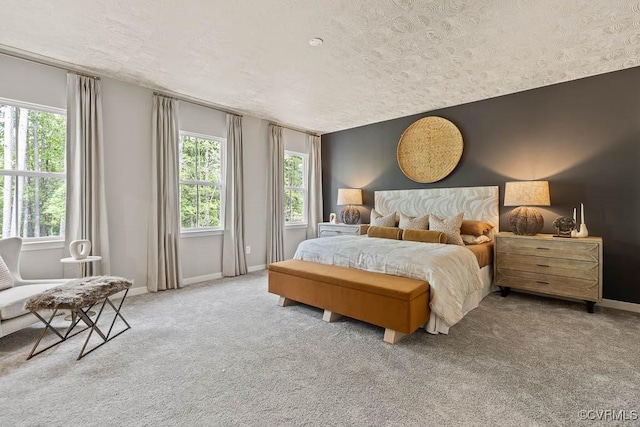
{"points": [[305, 189], [201, 231], [38, 174]]}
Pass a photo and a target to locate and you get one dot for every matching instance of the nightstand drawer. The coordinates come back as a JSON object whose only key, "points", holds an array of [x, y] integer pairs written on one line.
{"points": [[554, 285], [326, 229], [329, 233], [583, 251], [586, 270]]}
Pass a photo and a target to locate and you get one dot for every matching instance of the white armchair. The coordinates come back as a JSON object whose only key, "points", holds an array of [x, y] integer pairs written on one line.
{"points": [[13, 316]]}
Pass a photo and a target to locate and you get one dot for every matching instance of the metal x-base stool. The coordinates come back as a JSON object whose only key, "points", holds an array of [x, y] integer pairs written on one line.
{"points": [[79, 296]]}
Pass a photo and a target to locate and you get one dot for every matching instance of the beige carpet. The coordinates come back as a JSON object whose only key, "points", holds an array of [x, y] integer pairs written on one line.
{"points": [[225, 354]]}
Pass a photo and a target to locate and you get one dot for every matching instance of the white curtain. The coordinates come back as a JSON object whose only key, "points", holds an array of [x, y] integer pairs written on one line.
{"points": [[86, 216], [314, 207], [163, 254], [233, 259], [275, 195]]}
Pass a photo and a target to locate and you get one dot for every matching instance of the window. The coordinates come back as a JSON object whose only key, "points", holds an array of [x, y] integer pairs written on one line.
{"points": [[32, 174], [295, 188], [201, 182]]}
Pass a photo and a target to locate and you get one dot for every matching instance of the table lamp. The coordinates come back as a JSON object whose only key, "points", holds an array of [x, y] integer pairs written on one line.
{"points": [[525, 220], [349, 197]]}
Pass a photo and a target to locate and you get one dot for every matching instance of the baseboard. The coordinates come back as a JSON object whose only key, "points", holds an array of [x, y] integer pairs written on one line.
{"points": [[215, 276], [139, 290], [620, 305], [257, 268], [205, 278], [132, 292]]}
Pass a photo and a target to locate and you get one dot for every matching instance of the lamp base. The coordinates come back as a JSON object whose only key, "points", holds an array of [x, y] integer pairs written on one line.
{"points": [[350, 215], [525, 221]]}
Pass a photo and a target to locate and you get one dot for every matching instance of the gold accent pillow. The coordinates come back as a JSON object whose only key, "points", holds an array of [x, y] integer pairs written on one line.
{"points": [[385, 232], [475, 228], [426, 236], [450, 226]]}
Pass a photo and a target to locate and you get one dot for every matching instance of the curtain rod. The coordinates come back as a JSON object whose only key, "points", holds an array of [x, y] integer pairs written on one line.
{"points": [[43, 60], [84, 75], [295, 129], [205, 104], [61, 65]]}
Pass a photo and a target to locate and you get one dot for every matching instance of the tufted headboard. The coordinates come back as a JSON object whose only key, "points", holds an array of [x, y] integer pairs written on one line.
{"points": [[481, 203]]}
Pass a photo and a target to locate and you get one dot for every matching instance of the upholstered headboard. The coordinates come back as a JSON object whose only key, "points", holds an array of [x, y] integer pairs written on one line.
{"points": [[481, 203]]}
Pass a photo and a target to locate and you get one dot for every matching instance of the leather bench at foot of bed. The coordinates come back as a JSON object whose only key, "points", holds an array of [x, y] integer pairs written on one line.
{"points": [[398, 304]]}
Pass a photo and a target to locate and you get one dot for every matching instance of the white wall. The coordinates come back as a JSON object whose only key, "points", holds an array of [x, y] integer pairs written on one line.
{"points": [[126, 113], [255, 134], [127, 133]]}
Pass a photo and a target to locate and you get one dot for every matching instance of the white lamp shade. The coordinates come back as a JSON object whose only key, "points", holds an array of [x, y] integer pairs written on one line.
{"points": [[349, 196], [527, 193]]}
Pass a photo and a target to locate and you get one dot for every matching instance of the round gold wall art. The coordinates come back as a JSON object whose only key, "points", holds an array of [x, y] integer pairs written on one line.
{"points": [[429, 149]]}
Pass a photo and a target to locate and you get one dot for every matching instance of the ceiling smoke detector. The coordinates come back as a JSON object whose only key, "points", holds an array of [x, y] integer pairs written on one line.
{"points": [[316, 41]]}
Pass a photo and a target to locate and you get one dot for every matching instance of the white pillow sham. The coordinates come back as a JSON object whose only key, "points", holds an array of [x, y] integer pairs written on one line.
{"points": [[469, 239], [450, 226], [377, 220]]}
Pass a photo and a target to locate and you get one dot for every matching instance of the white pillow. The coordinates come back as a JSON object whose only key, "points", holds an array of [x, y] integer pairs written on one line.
{"points": [[378, 220], [450, 226], [6, 279], [469, 239], [414, 223]]}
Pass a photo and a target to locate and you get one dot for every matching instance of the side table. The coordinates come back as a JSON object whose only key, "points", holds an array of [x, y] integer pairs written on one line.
{"points": [[81, 262]]}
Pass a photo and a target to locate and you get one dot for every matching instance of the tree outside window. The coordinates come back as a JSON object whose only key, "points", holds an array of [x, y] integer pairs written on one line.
{"points": [[32, 173], [295, 188], [201, 182]]}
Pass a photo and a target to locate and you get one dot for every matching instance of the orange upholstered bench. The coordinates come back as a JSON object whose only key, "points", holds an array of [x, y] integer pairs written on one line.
{"points": [[398, 304]]}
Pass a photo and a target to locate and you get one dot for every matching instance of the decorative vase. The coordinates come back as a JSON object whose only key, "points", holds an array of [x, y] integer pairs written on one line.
{"points": [[80, 249], [583, 232]]}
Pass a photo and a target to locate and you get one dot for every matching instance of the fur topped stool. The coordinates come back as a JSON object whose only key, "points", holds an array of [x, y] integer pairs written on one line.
{"points": [[79, 296]]}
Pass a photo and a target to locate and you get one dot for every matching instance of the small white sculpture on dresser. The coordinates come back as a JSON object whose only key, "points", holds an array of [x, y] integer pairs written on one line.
{"points": [[583, 232], [80, 249], [574, 232], [333, 218]]}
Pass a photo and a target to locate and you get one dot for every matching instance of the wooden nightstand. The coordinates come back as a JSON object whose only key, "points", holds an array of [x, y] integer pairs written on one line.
{"points": [[326, 229], [550, 265]]}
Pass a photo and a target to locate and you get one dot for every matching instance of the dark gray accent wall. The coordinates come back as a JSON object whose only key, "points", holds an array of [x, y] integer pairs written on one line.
{"points": [[582, 136]]}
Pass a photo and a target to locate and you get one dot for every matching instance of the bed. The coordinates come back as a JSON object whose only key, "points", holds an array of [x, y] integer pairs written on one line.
{"points": [[459, 277]]}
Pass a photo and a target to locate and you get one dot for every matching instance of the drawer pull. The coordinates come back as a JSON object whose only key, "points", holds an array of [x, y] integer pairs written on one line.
{"points": [[542, 265], [543, 249], [541, 282]]}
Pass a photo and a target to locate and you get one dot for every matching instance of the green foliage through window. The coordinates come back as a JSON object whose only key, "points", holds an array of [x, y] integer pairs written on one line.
{"points": [[32, 173], [295, 170], [201, 183]]}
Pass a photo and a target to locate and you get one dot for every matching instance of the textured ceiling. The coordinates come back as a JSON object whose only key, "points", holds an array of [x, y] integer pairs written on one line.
{"points": [[381, 59]]}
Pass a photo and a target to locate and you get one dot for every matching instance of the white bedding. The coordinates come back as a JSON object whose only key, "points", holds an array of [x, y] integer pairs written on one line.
{"points": [[452, 271]]}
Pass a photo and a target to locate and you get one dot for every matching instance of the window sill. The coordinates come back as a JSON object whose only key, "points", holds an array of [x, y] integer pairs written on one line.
{"points": [[39, 244], [295, 226], [185, 234]]}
